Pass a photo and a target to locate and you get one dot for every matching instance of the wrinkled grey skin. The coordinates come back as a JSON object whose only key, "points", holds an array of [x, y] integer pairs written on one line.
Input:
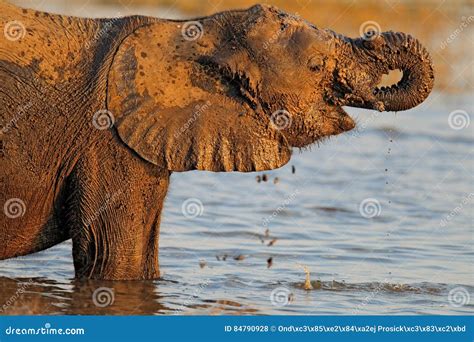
{"points": [[178, 103]]}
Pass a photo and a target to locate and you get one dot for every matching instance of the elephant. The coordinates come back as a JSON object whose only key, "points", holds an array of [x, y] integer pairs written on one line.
{"points": [[96, 115]]}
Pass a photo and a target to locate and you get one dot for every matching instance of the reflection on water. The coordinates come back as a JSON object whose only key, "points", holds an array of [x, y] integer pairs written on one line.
{"points": [[245, 253], [44, 296]]}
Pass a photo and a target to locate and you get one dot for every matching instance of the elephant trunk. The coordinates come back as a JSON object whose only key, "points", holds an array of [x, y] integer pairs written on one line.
{"points": [[391, 51], [405, 53]]}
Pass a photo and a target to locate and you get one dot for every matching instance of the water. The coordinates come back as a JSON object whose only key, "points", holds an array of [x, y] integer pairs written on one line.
{"points": [[405, 260]]}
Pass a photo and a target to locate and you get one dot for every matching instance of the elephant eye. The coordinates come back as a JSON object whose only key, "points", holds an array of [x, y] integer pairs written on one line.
{"points": [[316, 63]]}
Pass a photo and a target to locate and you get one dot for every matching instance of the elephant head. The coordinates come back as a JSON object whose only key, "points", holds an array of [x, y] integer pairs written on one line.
{"points": [[237, 90]]}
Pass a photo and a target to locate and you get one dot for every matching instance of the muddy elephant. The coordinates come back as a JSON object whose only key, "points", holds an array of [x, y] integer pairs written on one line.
{"points": [[97, 113]]}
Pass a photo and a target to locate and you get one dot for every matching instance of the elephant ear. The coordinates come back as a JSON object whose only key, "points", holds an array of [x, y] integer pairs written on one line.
{"points": [[178, 109]]}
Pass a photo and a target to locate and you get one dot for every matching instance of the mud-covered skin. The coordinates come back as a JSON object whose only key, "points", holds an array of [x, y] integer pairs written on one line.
{"points": [[53, 80], [179, 104]]}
